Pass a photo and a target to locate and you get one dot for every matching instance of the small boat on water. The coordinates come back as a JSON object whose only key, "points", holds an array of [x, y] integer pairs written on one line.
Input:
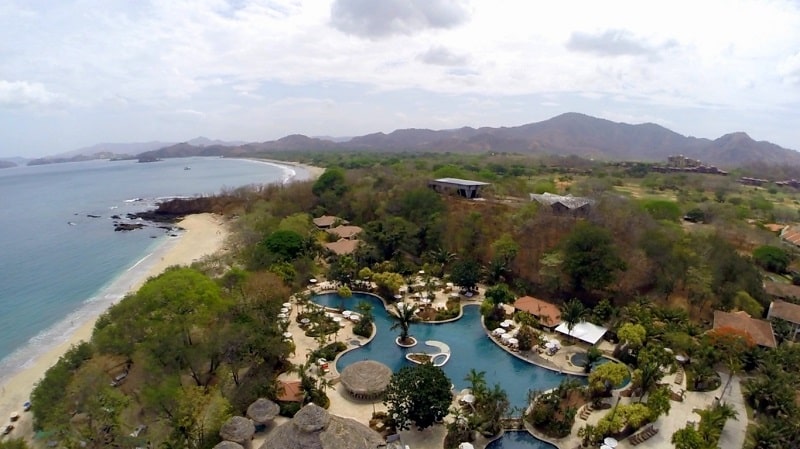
{"points": [[187, 168]]}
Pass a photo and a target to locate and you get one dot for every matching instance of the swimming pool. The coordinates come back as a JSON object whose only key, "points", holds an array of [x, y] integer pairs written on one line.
{"points": [[519, 440], [469, 345]]}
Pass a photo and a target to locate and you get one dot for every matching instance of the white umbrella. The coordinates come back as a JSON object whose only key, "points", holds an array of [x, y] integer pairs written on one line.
{"points": [[284, 310], [549, 345], [287, 304], [421, 271], [283, 315], [610, 442], [355, 318], [504, 324], [513, 341], [499, 331], [505, 337], [336, 319], [347, 313], [468, 398], [305, 321], [287, 335], [398, 296], [312, 280], [466, 445], [455, 295]]}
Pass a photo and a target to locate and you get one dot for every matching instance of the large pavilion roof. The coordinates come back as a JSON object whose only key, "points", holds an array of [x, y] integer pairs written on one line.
{"points": [[366, 378], [584, 331]]}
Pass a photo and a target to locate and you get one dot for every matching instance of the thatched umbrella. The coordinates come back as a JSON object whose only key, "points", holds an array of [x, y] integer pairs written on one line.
{"points": [[314, 428], [262, 411], [239, 430], [228, 445], [367, 379]]}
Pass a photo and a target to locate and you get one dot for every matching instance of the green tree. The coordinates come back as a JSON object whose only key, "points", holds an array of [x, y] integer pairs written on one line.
{"points": [[606, 376], [499, 294], [285, 244], [632, 335], [403, 317], [590, 258], [466, 273], [419, 394], [772, 258], [689, 438], [330, 182], [662, 209], [14, 443], [441, 258]]}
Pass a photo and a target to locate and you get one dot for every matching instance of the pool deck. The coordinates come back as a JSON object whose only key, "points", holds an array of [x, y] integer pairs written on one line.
{"points": [[342, 404]]}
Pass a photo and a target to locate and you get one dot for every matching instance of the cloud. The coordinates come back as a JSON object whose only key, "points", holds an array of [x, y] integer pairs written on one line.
{"points": [[613, 43], [789, 69], [442, 56], [24, 93], [379, 19]]}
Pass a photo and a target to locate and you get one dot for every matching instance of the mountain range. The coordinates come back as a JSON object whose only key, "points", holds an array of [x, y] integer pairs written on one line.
{"points": [[566, 134]]}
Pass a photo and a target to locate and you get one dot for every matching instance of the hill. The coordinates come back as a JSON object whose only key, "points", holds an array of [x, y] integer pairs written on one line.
{"points": [[566, 134]]}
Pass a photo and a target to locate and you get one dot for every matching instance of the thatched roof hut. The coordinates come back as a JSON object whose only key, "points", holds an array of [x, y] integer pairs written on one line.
{"points": [[262, 411], [367, 379], [239, 430], [228, 445], [314, 428]]}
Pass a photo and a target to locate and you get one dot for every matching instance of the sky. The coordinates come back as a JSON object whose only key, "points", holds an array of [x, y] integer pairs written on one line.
{"points": [[74, 73]]}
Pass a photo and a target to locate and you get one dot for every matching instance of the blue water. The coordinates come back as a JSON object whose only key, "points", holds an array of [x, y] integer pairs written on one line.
{"points": [[56, 275], [469, 345], [518, 440]]}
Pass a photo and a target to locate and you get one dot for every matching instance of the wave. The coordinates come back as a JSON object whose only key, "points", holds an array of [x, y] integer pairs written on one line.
{"points": [[91, 308]]}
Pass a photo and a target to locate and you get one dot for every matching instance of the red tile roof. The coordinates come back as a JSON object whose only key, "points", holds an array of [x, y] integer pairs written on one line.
{"points": [[326, 221], [290, 392], [785, 311], [781, 290], [342, 246], [345, 231], [549, 314], [791, 235], [759, 330]]}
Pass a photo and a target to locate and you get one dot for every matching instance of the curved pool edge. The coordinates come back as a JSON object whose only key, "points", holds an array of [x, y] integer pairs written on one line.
{"points": [[520, 357]]}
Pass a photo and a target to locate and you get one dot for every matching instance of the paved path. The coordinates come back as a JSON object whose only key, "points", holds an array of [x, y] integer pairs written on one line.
{"points": [[734, 432]]}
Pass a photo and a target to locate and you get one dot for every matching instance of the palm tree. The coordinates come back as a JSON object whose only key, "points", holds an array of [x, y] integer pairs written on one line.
{"points": [[477, 381], [647, 376], [403, 317], [441, 257], [572, 313]]}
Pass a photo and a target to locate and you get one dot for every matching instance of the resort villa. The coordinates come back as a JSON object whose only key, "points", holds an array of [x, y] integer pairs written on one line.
{"points": [[455, 186], [788, 312], [548, 314], [759, 330], [584, 331], [564, 204]]}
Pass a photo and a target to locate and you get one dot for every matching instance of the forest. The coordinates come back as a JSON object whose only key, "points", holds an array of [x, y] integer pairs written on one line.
{"points": [[660, 251]]}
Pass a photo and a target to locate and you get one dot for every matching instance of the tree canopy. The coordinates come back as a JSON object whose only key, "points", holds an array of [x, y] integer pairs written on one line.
{"points": [[418, 394], [590, 258]]}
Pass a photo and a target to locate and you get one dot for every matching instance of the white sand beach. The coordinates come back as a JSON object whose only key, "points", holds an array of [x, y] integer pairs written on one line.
{"points": [[204, 235]]}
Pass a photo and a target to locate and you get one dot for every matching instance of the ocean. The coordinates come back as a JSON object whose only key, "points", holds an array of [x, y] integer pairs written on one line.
{"points": [[61, 262]]}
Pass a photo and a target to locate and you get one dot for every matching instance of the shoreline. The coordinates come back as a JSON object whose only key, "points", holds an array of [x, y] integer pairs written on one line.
{"points": [[203, 235]]}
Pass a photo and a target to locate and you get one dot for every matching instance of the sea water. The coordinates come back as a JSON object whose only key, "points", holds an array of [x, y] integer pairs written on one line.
{"points": [[61, 262]]}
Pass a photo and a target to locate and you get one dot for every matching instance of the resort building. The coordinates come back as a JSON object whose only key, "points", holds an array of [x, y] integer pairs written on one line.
{"points": [[788, 312], [345, 231], [327, 221], [779, 290], [791, 235], [759, 330], [548, 314], [342, 246], [584, 331], [455, 186], [290, 392], [564, 204]]}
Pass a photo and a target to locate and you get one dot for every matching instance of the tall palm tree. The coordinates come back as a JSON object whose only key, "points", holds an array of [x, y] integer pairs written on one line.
{"points": [[477, 381], [572, 313], [403, 317], [441, 257], [647, 376]]}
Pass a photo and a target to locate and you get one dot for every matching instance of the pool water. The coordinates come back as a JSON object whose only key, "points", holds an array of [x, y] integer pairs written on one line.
{"points": [[518, 440], [469, 345]]}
